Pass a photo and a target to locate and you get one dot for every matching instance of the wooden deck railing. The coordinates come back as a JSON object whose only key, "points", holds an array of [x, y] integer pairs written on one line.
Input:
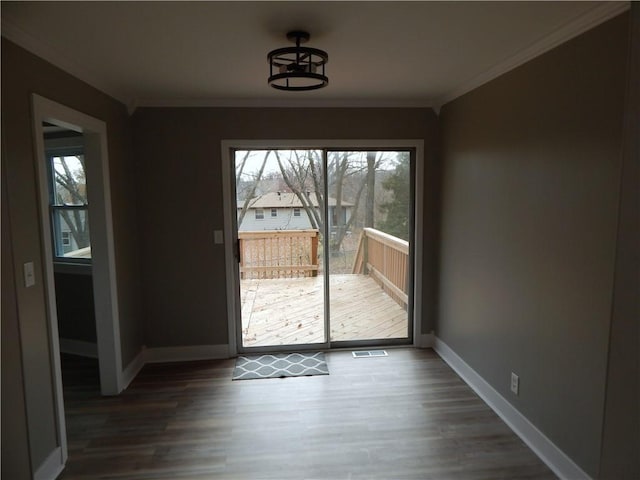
{"points": [[385, 258], [278, 253]]}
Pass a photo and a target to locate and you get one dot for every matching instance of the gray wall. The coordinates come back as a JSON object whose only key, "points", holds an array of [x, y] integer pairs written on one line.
{"points": [[180, 201], [621, 442], [22, 75], [528, 237], [15, 460]]}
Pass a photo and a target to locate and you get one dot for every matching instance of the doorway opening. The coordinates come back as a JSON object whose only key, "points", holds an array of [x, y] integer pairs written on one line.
{"points": [[77, 243], [324, 246], [70, 239]]}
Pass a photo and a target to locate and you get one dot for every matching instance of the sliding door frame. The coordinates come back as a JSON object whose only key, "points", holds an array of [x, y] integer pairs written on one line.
{"points": [[228, 147], [413, 270]]}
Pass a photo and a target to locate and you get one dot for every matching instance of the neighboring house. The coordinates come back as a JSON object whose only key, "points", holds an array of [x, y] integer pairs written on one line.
{"points": [[67, 244], [67, 241], [284, 211]]}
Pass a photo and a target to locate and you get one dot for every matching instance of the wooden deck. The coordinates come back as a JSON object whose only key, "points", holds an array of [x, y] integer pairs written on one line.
{"points": [[289, 311]]}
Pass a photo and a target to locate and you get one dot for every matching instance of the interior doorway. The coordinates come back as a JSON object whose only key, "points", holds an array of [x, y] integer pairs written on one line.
{"points": [[70, 238], [74, 194], [324, 251]]}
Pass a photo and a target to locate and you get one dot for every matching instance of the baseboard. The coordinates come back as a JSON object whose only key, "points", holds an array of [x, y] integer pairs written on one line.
{"points": [[51, 467], [78, 347], [425, 340], [548, 452], [185, 354], [134, 367], [169, 355]]}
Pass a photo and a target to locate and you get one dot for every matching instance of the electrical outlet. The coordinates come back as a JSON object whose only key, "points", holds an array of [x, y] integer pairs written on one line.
{"points": [[217, 237], [515, 383]]}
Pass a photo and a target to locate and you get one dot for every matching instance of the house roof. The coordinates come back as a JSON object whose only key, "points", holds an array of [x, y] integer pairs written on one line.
{"points": [[287, 200]]}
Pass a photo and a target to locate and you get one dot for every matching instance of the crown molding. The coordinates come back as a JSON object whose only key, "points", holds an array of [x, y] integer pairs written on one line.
{"points": [[284, 103], [17, 35], [579, 25]]}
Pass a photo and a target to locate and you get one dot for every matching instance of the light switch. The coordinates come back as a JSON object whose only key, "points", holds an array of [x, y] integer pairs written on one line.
{"points": [[29, 275], [217, 237]]}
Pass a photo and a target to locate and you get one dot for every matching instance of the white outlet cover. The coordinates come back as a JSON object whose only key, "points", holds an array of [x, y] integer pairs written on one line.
{"points": [[515, 383], [29, 275]]}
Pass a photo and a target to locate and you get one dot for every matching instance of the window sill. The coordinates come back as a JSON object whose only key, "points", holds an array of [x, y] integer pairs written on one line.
{"points": [[72, 268]]}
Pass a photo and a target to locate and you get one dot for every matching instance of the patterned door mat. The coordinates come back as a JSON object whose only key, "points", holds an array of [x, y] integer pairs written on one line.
{"points": [[280, 365]]}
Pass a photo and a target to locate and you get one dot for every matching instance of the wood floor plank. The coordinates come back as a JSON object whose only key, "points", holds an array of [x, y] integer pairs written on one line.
{"points": [[405, 416]]}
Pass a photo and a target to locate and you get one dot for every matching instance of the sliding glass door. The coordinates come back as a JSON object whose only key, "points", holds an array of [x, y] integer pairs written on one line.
{"points": [[369, 195], [324, 251], [280, 216]]}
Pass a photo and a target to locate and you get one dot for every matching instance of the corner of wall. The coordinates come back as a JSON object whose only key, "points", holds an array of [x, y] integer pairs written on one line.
{"points": [[548, 452], [620, 431]]}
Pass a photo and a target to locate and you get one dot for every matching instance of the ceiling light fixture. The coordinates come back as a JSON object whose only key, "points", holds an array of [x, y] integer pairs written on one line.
{"points": [[297, 68]]}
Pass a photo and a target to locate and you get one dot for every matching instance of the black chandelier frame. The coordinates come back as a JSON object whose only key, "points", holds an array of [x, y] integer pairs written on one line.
{"points": [[297, 68]]}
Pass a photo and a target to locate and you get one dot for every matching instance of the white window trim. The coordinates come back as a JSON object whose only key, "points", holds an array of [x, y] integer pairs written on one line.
{"points": [[60, 147]]}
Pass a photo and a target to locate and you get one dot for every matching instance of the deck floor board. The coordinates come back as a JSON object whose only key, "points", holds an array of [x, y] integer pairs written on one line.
{"points": [[289, 311]]}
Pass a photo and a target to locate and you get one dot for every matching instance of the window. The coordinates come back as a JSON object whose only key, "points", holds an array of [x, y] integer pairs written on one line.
{"points": [[259, 214], [69, 206], [296, 212], [274, 212]]}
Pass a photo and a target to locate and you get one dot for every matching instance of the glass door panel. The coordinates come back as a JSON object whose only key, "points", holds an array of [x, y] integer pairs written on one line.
{"points": [[280, 218], [369, 224]]}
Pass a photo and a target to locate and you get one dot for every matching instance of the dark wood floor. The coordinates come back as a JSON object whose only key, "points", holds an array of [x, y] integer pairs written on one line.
{"points": [[405, 416]]}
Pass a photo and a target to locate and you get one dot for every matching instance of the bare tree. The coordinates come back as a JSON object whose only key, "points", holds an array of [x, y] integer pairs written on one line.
{"points": [[303, 173], [71, 190], [349, 176], [254, 184], [340, 168], [365, 172], [243, 162], [371, 187]]}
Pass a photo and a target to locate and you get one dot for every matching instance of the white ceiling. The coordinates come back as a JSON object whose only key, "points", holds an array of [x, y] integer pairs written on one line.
{"points": [[214, 53]]}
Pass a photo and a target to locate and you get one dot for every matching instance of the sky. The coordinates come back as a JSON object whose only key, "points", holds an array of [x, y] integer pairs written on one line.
{"points": [[256, 157]]}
